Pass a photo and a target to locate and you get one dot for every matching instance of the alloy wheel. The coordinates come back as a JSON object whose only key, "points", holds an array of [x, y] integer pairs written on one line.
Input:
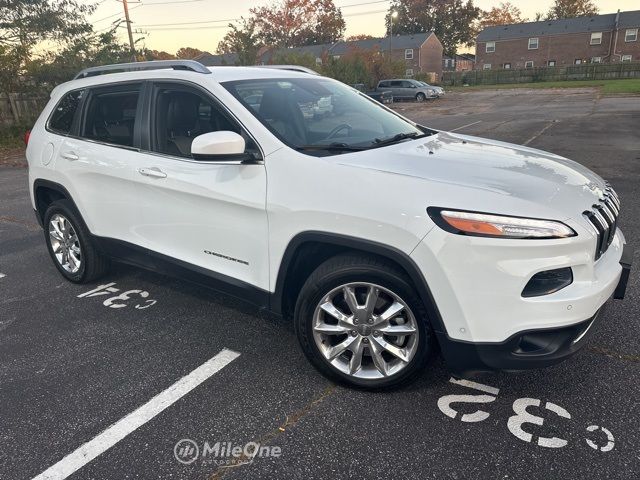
{"points": [[65, 243], [365, 331]]}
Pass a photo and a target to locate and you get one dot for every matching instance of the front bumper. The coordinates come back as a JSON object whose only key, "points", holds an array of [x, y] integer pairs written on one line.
{"points": [[477, 283], [528, 349]]}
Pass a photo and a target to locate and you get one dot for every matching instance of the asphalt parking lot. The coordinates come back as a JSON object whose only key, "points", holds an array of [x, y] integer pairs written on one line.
{"points": [[74, 365]]}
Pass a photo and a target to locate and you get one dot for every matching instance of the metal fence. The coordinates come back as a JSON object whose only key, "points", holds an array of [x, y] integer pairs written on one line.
{"points": [[19, 109], [602, 71]]}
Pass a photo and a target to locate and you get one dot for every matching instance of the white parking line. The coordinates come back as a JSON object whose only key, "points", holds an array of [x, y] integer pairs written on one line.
{"points": [[475, 386], [465, 126], [119, 430], [546, 127]]}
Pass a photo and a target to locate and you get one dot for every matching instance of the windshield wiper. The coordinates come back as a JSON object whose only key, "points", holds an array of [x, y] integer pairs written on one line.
{"points": [[396, 138], [338, 147]]}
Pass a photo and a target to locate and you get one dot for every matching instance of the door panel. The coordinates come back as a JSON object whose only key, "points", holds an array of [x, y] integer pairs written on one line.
{"points": [[206, 214], [102, 185], [99, 158]]}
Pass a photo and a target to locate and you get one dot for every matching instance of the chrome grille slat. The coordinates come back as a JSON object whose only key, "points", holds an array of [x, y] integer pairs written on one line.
{"points": [[604, 219], [611, 204]]}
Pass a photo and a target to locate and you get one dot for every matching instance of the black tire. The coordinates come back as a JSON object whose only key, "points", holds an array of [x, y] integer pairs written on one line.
{"points": [[421, 97], [356, 267], [94, 264]]}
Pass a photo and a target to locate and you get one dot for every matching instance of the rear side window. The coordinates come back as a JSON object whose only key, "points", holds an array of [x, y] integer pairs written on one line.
{"points": [[61, 119], [111, 115]]}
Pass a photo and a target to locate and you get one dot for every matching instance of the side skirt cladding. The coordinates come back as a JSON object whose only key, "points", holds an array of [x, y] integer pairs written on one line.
{"points": [[141, 257]]}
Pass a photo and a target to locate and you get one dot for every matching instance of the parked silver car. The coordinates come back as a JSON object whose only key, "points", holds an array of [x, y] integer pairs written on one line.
{"points": [[407, 89], [439, 90]]}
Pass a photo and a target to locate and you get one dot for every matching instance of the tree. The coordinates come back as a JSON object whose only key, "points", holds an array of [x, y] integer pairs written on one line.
{"points": [[294, 58], [360, 36], [25, 24], [188, 53], [293, 23], [53, 68], [453, 21], [243, 41], [571, 9], [504, 14], [367, 66], [156, 55]]}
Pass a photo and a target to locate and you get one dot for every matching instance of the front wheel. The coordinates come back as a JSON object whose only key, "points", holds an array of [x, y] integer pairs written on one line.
{"points": [[420, 97], [360, 322]]}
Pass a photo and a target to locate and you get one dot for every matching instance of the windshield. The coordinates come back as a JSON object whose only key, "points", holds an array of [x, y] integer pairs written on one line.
{"points": [[319, 114]]}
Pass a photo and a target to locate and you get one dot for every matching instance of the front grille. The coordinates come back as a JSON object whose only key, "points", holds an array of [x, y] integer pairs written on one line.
{"points": [[604, 218]]}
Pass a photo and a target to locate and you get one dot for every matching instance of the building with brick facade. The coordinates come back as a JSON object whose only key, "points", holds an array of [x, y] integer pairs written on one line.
{"points": [[460, 62], [421, 52], [608, 38]]}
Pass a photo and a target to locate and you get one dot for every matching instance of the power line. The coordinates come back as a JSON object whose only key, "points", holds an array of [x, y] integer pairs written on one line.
{"points": [[116, 14], [188, 23], [364, 3], [183, 25], [173, 2]]}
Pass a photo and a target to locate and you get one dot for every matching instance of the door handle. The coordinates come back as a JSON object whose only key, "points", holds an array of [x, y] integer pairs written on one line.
{"points": [[152, 172], [70, 156]]}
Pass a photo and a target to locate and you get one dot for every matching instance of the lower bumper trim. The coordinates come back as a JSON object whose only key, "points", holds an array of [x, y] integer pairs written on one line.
{"points": [[625, 262], [522, 351]]}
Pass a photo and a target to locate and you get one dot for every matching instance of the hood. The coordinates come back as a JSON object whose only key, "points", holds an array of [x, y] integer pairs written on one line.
{"points": [[498, 168]]}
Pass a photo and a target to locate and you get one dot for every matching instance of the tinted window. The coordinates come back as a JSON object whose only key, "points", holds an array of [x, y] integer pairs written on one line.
{"points": [[407, 84], [181, 114], [111, 115], [62, 117], [384, 84], [396, 83]]}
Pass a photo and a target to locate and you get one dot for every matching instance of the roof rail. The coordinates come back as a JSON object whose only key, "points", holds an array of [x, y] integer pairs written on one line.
{"points": [[293, 68], [191, 65]]}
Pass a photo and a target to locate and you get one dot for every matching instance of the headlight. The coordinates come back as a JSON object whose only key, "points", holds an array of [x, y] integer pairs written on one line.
{"points": [[489, 225]]}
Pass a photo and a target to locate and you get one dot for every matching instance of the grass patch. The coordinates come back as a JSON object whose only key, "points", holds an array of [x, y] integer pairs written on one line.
{"points": [[13, 137], [626, 86], [12, 146]]}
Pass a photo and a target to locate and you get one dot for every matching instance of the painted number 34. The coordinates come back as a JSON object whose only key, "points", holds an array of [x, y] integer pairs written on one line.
{"points": [[522, 416], [135, 298]]}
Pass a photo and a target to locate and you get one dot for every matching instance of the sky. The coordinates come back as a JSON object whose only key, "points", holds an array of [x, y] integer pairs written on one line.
{"points": [[171, 24]]}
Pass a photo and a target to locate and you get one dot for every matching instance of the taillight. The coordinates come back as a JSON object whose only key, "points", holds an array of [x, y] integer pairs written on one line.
{"points": [[27, 135]]}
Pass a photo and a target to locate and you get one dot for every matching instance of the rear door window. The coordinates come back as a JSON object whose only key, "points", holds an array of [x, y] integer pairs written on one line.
{"points": [[62, 117], [111, 115]]}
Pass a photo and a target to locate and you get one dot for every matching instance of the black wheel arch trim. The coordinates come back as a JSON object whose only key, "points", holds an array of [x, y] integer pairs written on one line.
{"points": [[369, 246], [38, 183]]}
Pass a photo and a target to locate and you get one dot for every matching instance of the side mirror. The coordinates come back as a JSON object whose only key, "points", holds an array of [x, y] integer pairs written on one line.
{"points": [[222, 146]]}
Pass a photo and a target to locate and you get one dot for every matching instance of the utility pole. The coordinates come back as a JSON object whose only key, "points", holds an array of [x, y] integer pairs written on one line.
{"points": [[394, 15], [128, 22]]}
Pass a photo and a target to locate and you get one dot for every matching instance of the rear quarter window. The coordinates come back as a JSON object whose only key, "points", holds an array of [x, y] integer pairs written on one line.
{"points": [[61, 120]]}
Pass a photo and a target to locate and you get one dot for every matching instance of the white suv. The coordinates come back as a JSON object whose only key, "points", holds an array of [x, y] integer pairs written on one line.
{"points": [[378, 236]]}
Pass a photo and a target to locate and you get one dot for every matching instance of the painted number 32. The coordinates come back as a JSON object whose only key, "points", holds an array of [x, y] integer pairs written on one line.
{"points": [[522, 416]]}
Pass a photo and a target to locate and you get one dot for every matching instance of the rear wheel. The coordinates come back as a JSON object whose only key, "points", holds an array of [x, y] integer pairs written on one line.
{"points": [[70, 245], [360, 322]]}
